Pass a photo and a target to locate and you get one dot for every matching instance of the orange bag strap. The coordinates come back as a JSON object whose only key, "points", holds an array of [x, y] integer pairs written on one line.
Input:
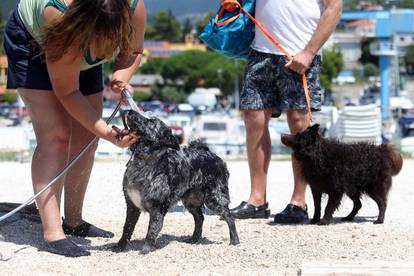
{"points": [[225, 22], [231, 6]]}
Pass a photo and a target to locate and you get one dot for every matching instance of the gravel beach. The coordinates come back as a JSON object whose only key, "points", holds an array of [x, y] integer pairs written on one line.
{"points": [[265, 249]]}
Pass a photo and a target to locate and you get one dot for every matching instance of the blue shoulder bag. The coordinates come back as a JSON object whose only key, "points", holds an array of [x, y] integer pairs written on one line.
{"points": [[231, 33]]}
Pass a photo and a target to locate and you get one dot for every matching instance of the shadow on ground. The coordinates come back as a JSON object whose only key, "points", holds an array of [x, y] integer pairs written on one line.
{"points": [[162, 241], [29, 234], [337, 220]]}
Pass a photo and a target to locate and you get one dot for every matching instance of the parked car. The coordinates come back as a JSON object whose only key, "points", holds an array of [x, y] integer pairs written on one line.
{"points": [[345, 76], [153, 106], [182, 120], [406, 124], [221, 133]]}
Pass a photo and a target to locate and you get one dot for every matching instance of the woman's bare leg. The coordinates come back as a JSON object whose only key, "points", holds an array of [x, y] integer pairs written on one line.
{"points": [[78, 177], [51, 124]]}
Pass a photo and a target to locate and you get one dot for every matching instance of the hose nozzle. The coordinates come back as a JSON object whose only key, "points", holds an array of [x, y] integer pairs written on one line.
{"points": [[126, 94]]}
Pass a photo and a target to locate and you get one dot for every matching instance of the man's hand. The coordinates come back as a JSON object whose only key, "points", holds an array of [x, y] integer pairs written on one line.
{"points": [[301, 61]]}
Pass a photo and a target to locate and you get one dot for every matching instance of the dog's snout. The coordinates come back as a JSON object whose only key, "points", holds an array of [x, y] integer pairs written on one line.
{"points": [[286, 139]]}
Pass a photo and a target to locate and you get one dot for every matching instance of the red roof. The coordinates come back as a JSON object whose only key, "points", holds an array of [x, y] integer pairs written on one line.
{"points": [[361, 23]]}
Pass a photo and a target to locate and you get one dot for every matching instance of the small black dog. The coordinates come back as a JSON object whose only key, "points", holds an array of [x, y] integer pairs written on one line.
{"points": [[160, 174], [335, 168]]}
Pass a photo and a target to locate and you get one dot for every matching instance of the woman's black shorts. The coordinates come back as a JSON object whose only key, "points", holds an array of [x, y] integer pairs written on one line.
{"points": [[27, 68]]}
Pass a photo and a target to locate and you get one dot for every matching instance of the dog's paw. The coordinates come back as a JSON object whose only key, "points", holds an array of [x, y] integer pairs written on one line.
{"points": [[118, 248], [379, 221], [314, 221], [192, 240], [147, 249], [235, 242], [323, 222]]}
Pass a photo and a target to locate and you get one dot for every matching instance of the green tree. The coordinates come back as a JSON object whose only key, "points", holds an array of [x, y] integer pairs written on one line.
{"points": [[356, 4], [202, 68], [332, 64], [406, 4], [152, 66], [10, 96], [222, 72], [168, 93], [186, 29], [200, 24], [370, 70], [196, 68], [366, 56], [351, 4], [140, 96], [164, 27]]}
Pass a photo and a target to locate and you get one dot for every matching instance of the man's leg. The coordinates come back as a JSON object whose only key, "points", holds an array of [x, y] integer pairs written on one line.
{"points": [[298, 120], [258, 153], [258, 98], [296, 211]]}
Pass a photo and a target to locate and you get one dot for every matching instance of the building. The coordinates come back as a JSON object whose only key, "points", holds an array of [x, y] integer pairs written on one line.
{"points": [[350, 45], [363, 27], [165, 49]]}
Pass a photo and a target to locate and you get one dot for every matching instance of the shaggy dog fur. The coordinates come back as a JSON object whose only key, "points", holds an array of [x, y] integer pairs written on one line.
{"points": [[335, 168], [160, 173]]}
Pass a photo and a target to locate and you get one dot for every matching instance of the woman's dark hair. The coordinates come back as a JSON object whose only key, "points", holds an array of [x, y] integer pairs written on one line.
{"points": [[105, 22]]}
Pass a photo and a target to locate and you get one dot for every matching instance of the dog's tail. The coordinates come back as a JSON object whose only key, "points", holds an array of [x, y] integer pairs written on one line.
{"points": [[395, 157]]}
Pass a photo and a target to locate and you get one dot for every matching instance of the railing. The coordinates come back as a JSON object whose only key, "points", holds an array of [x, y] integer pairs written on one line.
{"points": [[383, 48]]}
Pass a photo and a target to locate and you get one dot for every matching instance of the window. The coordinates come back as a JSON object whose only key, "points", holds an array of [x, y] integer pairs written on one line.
{"points": [[214, 126]]}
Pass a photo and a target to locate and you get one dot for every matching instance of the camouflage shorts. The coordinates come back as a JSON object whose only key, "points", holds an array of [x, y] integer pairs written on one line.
{"points": [[269, 85]]}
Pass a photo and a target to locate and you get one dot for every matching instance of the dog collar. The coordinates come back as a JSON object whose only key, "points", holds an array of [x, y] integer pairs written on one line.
{"points": [[148, 157]]}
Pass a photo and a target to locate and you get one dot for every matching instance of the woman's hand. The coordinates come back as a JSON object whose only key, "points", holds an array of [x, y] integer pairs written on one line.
{"points": [[117, 86], [122, 139]]}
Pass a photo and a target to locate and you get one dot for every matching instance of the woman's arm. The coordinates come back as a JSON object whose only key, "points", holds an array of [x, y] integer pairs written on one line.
{"points": [[64, 76], [126, 65]]}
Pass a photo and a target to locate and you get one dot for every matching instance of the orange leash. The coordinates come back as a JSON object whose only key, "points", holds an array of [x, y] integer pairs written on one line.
{"points": [[231, 6]]}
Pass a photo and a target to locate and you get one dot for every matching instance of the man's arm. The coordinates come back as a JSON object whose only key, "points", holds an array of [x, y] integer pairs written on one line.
{"points": [[327, 24]]}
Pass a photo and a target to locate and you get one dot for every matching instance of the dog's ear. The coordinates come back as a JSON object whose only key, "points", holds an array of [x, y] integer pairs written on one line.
{"points": [[315, 128], [171, 141]]}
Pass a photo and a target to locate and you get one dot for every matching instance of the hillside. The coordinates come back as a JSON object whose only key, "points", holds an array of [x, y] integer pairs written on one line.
{"points": [[180, 8]]}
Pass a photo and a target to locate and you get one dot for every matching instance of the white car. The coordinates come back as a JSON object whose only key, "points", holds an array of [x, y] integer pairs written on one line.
{"points": [[345, 76]]}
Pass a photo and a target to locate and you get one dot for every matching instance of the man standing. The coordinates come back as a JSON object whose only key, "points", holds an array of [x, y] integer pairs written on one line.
{"points": [[273, 85]]}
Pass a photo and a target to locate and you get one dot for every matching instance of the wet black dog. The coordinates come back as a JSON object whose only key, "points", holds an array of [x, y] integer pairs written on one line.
{"points": [[160, 174], [335, 168]]}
